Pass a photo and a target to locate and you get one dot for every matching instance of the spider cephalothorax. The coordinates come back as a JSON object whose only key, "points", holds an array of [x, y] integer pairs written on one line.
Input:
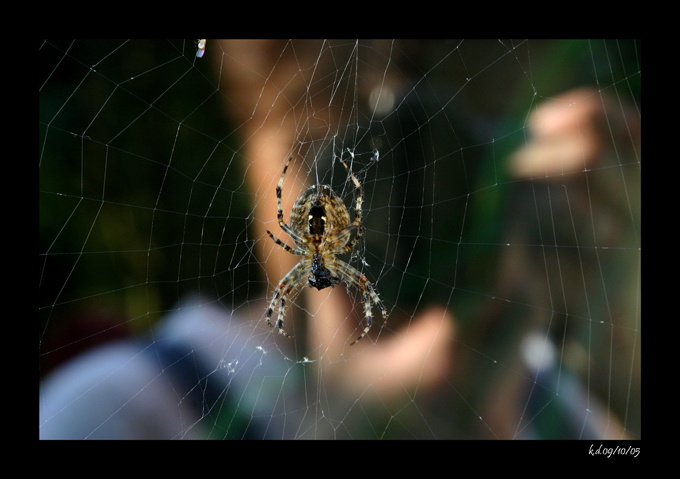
{"points": [[320, 228], [320, 277]]}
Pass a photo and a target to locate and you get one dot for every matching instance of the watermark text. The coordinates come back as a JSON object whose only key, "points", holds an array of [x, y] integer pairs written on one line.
{"points": [[609, 451]]}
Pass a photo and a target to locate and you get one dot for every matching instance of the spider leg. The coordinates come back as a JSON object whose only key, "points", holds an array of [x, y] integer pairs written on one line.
{"points": [[279, 188], [367, 312], [354, 277], [284, 245], [357, 209], [289, 282]]}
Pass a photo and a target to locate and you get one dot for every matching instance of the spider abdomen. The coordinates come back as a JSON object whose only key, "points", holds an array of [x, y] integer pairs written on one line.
{"points": [[319, 214]]}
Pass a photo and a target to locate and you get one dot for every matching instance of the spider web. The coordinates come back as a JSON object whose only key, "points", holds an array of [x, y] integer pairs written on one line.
{"points": [[501, 223]]}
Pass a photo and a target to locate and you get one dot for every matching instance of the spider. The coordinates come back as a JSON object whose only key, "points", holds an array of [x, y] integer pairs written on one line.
{"points": [[320, 228]]}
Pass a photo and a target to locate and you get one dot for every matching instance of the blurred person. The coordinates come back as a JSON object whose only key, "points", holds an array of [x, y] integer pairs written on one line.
{"points": [[167, 384], [570, 135]]}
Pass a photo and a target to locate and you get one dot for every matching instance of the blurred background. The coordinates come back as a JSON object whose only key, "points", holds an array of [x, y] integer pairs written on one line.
{"points": [[502, 222]]}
